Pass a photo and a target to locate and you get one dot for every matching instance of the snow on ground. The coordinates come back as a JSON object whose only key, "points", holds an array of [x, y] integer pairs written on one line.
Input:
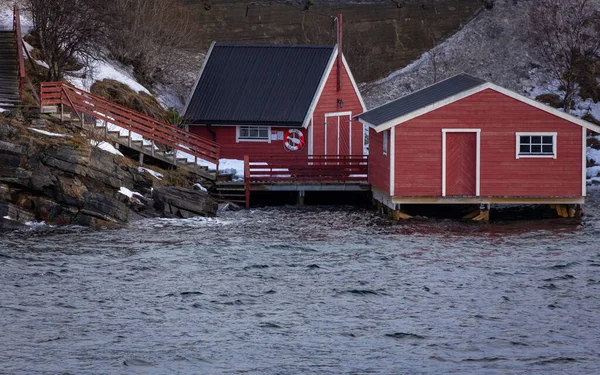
{"points": [[106, 147], [99, 70], [200, 187], [155, 174], [48, 133], [132, 195]]}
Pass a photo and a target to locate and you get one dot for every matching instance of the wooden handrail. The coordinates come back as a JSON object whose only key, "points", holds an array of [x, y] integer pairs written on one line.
{"points": [[55, 93], [19, 39]]}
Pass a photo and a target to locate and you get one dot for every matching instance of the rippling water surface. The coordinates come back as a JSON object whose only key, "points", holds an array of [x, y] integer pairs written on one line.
{"points": [[303, 291]]}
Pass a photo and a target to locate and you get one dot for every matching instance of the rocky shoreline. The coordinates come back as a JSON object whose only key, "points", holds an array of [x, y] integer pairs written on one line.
{"points": [[64, 180]]}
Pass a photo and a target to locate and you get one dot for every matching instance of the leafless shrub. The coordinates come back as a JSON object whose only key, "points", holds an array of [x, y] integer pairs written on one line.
{"points": [[66, 30], [566, 35]]}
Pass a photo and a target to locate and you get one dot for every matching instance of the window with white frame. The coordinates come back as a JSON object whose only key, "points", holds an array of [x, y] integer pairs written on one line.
{"points": [[386, 141], [253, 133], [536, 145]]}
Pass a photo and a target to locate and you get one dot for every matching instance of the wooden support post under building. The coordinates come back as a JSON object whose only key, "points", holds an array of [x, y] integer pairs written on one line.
{"points": [[141, 158], [301, 194], [484, 213], [398, 215], [567, 210]]}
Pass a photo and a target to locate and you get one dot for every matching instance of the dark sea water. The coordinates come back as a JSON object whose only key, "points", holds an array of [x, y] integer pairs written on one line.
{"points": [[303, 291]]}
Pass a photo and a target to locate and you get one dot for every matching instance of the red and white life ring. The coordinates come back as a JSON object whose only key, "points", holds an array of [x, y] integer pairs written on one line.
{"points": [[293, 140]]}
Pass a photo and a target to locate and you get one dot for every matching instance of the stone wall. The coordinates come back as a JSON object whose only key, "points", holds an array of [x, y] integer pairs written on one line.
{"points": [[380, 37]]}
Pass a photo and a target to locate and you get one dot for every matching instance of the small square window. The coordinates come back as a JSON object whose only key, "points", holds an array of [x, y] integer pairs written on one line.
{"points": [[536, 145], [253, 133]]}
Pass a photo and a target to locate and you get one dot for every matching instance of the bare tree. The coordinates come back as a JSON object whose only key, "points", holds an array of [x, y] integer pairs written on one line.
{"points": [[146, 32], [66, 30], [566, 35]]}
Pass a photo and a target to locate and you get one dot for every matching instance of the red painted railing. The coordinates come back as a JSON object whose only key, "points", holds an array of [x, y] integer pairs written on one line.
{"points": [[19, 40], [313, 168], [304, 169], [82, 102]]}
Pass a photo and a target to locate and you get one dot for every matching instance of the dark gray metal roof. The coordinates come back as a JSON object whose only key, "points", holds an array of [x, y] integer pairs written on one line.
{"points": [[258, 84], [422, 98]]}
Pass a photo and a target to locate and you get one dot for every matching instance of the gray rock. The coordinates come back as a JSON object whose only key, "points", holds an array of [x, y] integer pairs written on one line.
{"points": [[183, 203]]}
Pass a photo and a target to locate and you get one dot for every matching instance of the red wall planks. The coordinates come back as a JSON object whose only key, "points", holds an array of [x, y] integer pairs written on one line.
{"points": [[379, 164], [328, 103], [419, 149], [230, 149]]}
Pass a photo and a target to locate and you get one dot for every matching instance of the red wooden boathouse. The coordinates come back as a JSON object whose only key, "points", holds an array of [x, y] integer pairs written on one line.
{"points": [[248, 98], [468, 141]]}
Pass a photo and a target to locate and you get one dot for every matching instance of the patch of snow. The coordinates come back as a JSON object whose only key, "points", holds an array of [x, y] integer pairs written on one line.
{"points": [[155, 174], [99, 70], [200, 187], [7, 217], [169, 98], [593, 154], [593, 171], [49, 133], [106, 147], [128, 193]]}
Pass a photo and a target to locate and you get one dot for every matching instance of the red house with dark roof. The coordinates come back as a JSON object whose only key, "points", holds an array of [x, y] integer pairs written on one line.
{"points": [[468, 141], [277, 99]]}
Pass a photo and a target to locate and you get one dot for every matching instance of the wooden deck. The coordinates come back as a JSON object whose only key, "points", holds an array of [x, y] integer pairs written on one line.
{"points": [[305, 173]]}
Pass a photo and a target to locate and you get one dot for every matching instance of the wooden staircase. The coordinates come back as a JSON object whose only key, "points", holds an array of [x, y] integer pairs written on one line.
{"points": [[9, 71], [229, 191], [105, 120]]}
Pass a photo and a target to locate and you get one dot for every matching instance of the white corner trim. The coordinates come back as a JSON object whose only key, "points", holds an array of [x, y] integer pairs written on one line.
{"points": [[554, 136], [584, 162], [392, 151], [477, 158], [310, 136], [210, 49], [363, 139], [354, 85], [321, 87], [238, 139], [477, 89]]}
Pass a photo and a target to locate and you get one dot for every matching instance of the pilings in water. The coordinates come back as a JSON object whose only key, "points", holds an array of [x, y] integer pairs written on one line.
{"points": [[568, 210]]}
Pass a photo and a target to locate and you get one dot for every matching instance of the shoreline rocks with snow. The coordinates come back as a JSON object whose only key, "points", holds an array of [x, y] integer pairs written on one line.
{"points": [[61, 179]]}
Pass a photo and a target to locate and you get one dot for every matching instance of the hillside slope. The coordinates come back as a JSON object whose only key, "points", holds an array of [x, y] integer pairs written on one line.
{"points": [[495, 46]]}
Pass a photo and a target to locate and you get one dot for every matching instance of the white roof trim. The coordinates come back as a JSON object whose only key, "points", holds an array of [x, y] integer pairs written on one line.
{"points": [[360, 98], [199, 76], [367, 123], [475, 90], [421, 111], [315, 100]]}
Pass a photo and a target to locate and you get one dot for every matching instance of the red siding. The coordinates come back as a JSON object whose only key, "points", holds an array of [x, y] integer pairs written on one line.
{"points": [[379, 164], [418, 166], [328, 103], [232, 150]]}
